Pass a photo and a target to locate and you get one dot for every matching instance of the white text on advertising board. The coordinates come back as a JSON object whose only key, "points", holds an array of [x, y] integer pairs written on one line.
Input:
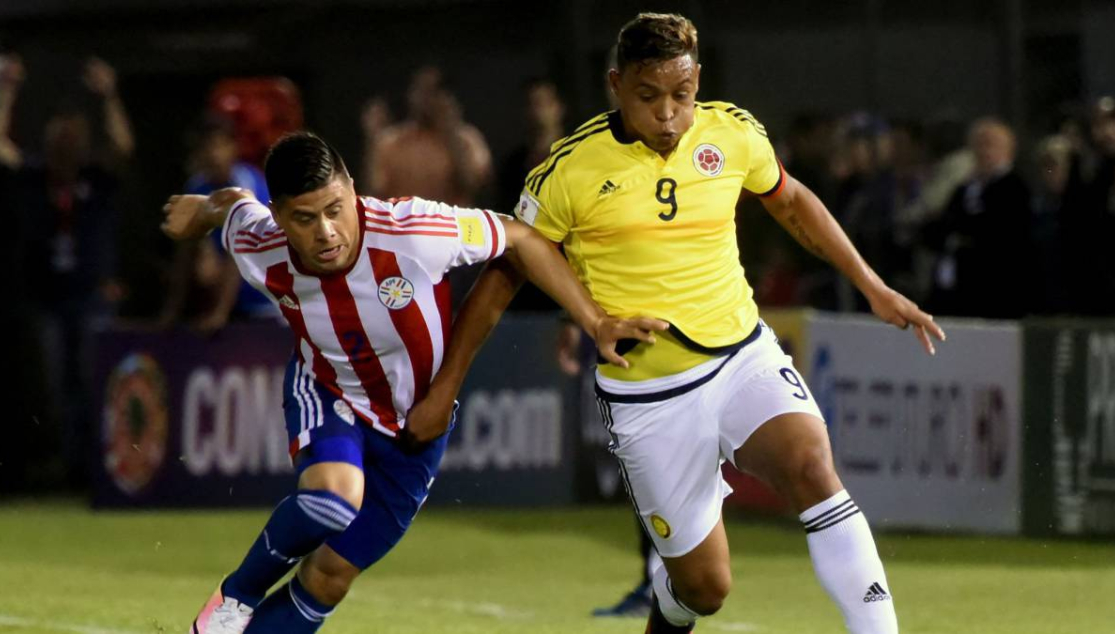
{"points": [[507, 430], [232, 423], [930, 430]]}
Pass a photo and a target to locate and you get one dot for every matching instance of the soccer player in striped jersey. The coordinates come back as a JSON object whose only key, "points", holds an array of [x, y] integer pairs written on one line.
{"points": [[361, 283], [643, 201]]}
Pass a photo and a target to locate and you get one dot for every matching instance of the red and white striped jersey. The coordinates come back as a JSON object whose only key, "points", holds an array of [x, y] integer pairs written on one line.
{"points": [[375, 334]]}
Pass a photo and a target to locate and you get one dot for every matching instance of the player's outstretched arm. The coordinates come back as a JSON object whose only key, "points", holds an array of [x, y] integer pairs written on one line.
{"points": [[479, 314], [541, 263], [191, 217], [528, 255], [801, 213]]}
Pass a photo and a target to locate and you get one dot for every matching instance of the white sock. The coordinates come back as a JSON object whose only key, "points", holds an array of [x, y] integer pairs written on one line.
{"points": [[673, 609], [848, 566]]}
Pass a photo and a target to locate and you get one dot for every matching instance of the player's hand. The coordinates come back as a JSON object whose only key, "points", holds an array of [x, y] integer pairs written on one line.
{"points": [[187, 217], [893, 308], [426, 421], [609, 330], [569, 349]]}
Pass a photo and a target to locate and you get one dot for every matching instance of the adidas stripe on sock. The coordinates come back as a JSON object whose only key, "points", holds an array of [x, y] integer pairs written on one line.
{"points": [[847, 563], [298, 525]]}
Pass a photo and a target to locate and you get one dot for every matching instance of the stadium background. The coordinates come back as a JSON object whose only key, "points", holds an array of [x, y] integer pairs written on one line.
{"points": [[996, 461]]}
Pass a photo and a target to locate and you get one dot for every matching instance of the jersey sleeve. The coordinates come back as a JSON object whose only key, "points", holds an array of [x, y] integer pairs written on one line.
{"points": [[438, 236], [544, 204], [248, 232], [764, 175]]}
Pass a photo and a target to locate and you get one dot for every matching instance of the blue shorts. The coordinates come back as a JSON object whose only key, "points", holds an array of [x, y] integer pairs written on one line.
{"points": [[395, 483]]}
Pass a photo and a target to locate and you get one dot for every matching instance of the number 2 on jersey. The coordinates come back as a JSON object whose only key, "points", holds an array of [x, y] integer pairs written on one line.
{"points": [[665, 193]]}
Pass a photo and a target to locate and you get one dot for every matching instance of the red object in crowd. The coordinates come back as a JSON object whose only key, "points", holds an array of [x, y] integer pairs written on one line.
{"points": [[262, 109]]}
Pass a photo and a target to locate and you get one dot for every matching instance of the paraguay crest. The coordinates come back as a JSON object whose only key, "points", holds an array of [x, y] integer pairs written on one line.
{"points": [[708, 159], [396, 293], [134, 430]]}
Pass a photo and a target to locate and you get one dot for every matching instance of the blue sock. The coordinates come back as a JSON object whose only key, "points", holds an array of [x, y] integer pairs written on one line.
{"points": [[300, 523], [289, 610]]}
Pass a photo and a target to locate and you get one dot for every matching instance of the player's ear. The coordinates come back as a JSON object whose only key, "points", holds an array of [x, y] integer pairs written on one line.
{"points": [[697, 79], [613, 81]]}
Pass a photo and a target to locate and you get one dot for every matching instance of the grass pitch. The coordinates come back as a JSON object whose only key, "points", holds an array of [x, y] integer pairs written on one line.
{"points": [[66, 569]]}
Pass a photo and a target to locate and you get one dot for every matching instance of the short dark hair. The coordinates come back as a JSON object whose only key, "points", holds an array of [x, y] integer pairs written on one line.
{"points": [[301, 162], [655, 37]]}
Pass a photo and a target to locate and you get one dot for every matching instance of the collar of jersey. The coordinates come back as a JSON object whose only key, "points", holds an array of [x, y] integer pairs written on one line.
{"points": [[297, 261]]}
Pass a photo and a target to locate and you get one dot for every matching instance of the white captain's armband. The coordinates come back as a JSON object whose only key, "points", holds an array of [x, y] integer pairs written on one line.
{"points": [[527, 209]]}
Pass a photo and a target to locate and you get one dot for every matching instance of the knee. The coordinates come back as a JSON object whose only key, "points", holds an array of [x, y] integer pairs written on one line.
{"points": [[325, 581], [811, 474], [343, 480], [705, 595]]}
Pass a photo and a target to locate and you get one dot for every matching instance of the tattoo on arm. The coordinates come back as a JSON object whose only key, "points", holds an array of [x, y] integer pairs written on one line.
{"points": [[799, 232]]}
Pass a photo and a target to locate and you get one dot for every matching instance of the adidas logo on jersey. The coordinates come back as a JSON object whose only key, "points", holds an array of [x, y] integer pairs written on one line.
{"points": [[287, 302], [608, 188], [876, 593]]}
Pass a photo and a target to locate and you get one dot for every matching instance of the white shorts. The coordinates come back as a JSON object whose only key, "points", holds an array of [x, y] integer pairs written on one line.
{"points": [[671, 435]]}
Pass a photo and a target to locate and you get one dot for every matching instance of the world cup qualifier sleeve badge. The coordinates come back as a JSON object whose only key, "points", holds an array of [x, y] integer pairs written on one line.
{"points": [[708, 159]]}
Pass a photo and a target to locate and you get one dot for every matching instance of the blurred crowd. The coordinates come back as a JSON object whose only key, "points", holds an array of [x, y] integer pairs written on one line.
{"points": [[956, 215], [962, 216]]}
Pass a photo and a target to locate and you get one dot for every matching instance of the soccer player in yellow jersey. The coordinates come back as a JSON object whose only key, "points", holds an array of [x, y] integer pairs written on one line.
{"points": [[643, 201]]}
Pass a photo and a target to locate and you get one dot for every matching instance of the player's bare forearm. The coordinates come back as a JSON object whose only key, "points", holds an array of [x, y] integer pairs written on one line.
{"points": [[806, 218], [479, 314], [430, 417], [191, 217], [801, 213], [544, 266]]}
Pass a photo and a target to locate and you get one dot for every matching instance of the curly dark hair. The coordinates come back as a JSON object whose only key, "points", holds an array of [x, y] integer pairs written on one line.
{"points": [[655, 37]]}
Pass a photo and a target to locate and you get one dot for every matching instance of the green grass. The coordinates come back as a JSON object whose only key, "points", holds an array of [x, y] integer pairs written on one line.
{"points": [[67, 569]]}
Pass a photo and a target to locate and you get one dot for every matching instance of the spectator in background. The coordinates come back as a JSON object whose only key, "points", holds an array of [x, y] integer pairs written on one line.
{"points": [[810, 145], [545, 118], [864, 203], [433, 154], [206, 290], [374, 119], [1053, 158], [545, 115], [983, 239], [1092, 217], [64, 203]]}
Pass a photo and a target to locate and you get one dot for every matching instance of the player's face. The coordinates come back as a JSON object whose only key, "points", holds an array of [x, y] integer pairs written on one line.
{"points": [[657, 100], [322, 226]]}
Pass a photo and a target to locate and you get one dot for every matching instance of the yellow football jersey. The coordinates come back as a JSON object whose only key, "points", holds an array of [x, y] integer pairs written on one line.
{"points": [[656, 236]]}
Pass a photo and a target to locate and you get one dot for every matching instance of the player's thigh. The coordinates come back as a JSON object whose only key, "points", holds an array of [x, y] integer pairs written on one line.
{"points": [[396, 485], [791, 453], [757, 385], [669, 459], [770, 424], [326, 440]]}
